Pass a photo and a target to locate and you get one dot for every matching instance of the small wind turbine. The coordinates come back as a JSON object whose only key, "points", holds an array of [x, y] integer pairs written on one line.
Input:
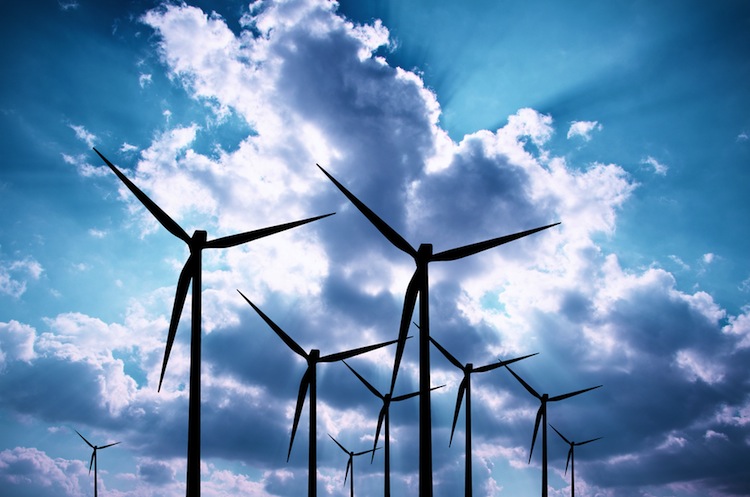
{"points": [[572, 459], [419, 286], [192, 271], [309, 381], [93, 460], [385, 416], [541, 417], [465, 387], [350, 463]]}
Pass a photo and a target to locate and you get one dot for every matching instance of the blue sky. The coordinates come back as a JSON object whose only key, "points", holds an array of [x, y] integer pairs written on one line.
{"points": [[455, 122]]}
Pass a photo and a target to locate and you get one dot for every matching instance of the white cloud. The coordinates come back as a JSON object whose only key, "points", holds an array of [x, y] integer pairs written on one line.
{"points": [[15, 274], [144, 80], [583, 129], [84, 135], [659, 168], [127, 148], [85, 169]]}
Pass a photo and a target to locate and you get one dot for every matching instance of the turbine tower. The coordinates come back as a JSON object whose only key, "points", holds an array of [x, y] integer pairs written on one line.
{"points": [[309, 381], [419, 286], [465, 388], [384, 417], [350, 463], [541, 417], [572, 459], [192, 272], [93, 460]]}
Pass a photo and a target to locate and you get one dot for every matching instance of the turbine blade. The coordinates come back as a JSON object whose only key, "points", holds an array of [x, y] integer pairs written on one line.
{"points": [[410, 301], [366, 451], [365, 382], [149, 204], [303, 385], [408, 395], [91, 463], [572, 394], [495, 365], [525, 385], [536, 430], [109, 445], [381, 416], [588, 441], [561, 435], [337, 443], [459, 399], [354, 352], [286, 338], [348, 465], [239, 239], [567, 461], [179, 302], [467, 250], [397, 240], [412, 394], [84, 439], [447, 354]]}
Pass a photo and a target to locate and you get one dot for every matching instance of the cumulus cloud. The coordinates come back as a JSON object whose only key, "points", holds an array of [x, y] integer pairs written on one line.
{"points": [[583, 129], [15, 274], [319, 94]]}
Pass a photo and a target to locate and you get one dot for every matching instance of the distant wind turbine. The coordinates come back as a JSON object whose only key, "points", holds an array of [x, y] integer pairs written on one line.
{"points": [[419, 286], [465, 387], [93, 460], [192, 272], [384, 417], [541, 417], [309, 381], [572, 459], [350, 463]]}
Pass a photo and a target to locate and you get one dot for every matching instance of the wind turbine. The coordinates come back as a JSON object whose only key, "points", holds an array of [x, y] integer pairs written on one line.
{"points": [[93, 459], [541, 417], [465, 388], [385, 416], [309, 380], [572, 459], [192, 272], [419, 285], [350, 463]]}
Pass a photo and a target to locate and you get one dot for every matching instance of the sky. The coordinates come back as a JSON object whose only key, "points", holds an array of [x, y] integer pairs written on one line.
{"points": [[626, 121]]}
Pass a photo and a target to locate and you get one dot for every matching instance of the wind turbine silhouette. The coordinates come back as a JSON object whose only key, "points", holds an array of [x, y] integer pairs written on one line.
{"points": [[419, 286], [541, 417], [192, 272], [309, 381], [572, 459], [385, 417], [350, 463], [465, 388], [93, 460]]}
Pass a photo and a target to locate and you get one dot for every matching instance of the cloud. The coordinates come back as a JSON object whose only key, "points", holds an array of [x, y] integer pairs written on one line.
{"points": [[658, 167], [27, 471], [14, 275], [144, 80], [310, 86], [84, 135], [583, 129]]}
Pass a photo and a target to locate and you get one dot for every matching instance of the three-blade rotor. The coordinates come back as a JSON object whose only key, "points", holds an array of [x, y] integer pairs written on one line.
{"points": [[422, 258], [312, 361], [541, 413], [467, 370], [196, 243], [572, 445]]}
